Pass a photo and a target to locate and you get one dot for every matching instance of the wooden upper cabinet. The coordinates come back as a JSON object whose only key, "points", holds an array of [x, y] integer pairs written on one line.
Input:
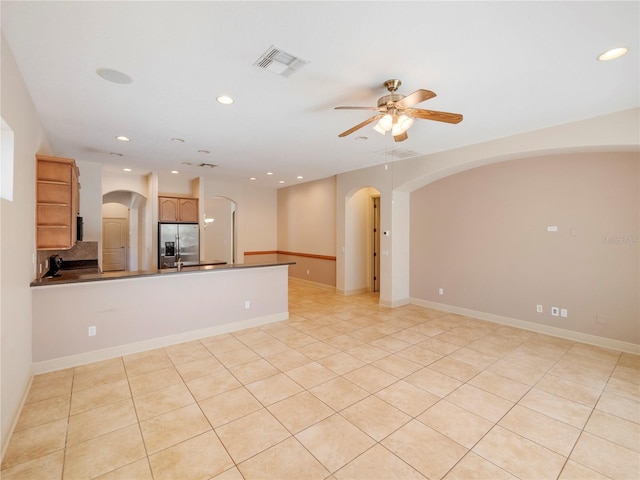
{"points": [[188, 209], [177, 209], [167, 209], [57, 202]]}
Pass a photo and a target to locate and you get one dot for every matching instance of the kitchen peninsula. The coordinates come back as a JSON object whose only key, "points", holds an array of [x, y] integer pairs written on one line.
{"points": [[91, 317]]}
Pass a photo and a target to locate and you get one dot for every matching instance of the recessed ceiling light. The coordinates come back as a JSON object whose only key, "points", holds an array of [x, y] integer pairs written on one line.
{"points": [[613, 53], [115, 154], [204, 151], [362, 139], [225, 100], [280, 181], [114, 76], [177, 140], [269, 173], [126, 169], [122, 138], [175, 171], [252, 178], [299, 177]]}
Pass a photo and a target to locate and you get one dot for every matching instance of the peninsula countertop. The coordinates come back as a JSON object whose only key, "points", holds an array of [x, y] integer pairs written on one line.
{"points": [[80, 276]]}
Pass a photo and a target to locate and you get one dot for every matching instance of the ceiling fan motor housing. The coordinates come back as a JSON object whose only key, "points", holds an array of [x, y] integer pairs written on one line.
{"points": [[392, 98]]}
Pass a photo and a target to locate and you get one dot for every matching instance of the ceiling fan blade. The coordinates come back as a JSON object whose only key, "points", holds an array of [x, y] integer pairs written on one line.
{"points": [[360, 125], [415, 97], [434, 115], [401, 138], [357, 108]]}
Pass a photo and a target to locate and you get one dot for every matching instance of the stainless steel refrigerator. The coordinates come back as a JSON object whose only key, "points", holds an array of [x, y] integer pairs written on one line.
{"points": [[178, 241]]}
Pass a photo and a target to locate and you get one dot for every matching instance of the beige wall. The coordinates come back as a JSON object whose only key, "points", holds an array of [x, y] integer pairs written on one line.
{"points": [[260, 220], [307, 224], [90, 199], [217, 237], [307, 217], [17, 243], [481, 235]]}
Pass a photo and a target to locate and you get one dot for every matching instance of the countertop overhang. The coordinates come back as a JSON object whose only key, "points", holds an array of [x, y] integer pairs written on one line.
{"points": [[80, 276]]}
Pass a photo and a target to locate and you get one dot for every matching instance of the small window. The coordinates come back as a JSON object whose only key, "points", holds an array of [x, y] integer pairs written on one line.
{"points": [[6, 162]]}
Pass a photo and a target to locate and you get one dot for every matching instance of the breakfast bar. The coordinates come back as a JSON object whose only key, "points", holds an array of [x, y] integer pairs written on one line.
{"points": [[81, 318]]}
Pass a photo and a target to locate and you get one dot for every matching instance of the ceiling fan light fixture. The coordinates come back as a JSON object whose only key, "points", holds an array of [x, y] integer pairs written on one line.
{"points": [[379, 129], [404, 122], [386, 122], [397, 113]]}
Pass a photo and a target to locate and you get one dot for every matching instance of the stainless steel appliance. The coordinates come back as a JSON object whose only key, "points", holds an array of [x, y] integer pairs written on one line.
{"points": [[178, 244]]}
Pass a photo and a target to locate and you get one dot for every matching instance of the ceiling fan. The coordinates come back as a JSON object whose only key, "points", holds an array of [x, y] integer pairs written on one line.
{"points": [[397, 112]]}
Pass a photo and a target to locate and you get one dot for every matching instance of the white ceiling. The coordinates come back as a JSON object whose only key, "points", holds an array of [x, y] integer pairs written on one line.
{"points": [[508, 67]]}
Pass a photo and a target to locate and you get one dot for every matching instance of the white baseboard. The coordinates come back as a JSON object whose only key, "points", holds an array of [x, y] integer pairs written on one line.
{"points": [[16, 415], [535, 327], [313, 284], [355, 291], [395, 303], [128, 349]]}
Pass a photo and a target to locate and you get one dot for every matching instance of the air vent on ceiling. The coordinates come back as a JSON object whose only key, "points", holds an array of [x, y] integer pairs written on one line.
{"points": [[208, 165], [398, 153], [279, 62]]}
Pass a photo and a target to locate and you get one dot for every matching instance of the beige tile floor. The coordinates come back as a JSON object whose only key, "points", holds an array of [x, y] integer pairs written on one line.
{"points": [[345, 389]]}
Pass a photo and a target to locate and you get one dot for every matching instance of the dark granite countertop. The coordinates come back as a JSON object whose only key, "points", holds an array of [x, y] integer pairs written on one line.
{"points": [[82, 275]]}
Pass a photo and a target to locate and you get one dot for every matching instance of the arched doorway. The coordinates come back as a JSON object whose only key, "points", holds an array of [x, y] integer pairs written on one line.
{"points": [[362, 241], [219, 230], [124, 232]]}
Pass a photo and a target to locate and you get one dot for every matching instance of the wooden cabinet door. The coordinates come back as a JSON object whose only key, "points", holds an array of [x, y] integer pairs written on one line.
{"points": [[188, 209], [168, 209], [51, 171]]}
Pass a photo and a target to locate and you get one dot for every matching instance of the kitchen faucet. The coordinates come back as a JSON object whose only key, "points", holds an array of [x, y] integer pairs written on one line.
{"points": [[178, 262]]}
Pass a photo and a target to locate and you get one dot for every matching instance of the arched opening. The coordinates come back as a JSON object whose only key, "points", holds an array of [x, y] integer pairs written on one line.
{"points": [[362, 241], [219, 230], [124, 232]]}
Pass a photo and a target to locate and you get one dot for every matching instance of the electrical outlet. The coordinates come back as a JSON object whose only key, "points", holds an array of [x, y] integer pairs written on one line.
{"points": [[539, 308], [92, 331], [564, 313], [441, 291], [247, 304], [308, 271], [40, 268], [555, 311]]}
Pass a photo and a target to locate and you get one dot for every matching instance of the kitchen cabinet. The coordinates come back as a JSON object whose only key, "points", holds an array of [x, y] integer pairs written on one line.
{"points": [[57, 202], [177, 209]]}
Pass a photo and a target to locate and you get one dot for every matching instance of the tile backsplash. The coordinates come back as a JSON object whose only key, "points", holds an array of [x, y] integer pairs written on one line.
{"points": [[80, 251]]}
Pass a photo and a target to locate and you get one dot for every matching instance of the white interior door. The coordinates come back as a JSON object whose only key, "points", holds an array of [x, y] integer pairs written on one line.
{"points": [[114, 244]]}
